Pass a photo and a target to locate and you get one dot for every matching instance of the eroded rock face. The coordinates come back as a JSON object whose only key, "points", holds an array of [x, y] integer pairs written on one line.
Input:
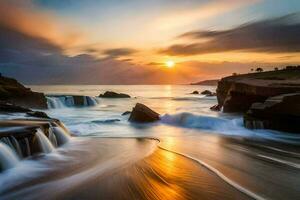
{"points": [[110, 94], [11, 91], [279, 113], [141, 113], [238, 93]]}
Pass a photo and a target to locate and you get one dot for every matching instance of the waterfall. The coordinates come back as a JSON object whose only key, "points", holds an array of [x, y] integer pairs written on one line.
{"points": [[28, 151], [61, 135], [91, 101], [8, 158], [55, 102], [68, 101], [16, 146], [52, 138], [44, 143]]}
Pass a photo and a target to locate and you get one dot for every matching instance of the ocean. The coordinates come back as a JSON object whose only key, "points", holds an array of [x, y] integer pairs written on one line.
{"points": [[257, 163]]}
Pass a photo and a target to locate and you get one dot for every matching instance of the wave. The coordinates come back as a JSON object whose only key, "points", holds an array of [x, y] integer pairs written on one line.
{"points": [[232, 127], [64, 101], [107, 121]]}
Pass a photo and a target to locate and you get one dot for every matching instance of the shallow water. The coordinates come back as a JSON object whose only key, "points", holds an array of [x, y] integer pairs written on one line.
{"points": [[258, 163]]}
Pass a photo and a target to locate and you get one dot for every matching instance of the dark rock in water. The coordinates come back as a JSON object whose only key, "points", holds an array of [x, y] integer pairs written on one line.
{"points": [[126, 113], [11, 91], [110, 94], [216, 107], [238, 93], [279, 113], [195, 92], [79, 100], [8, 107], [208, 93], [38, 114], [141, 113]]}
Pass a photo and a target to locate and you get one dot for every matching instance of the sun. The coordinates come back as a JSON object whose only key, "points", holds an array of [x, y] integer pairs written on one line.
{"points": [[170, 64]]}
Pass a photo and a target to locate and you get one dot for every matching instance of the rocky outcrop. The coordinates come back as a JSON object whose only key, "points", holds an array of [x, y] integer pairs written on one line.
{"points": [[207, 82], [279, 113], [110, 94], [141, 113], [8, 107], [38, 114], [11, 91], [238, 93], [195, 92]]}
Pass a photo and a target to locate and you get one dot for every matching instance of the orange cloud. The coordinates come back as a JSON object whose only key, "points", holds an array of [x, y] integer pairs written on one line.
{"points": [[23, 18]]}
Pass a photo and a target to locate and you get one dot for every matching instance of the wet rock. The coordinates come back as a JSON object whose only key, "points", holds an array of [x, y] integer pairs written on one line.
{"points": [[38, 114], [126, 113], [11, 91], [238, 93], [110, 94], [8, 107], [195, 92], [208, 93], [216, 107], [281, 113], [141, 113]]}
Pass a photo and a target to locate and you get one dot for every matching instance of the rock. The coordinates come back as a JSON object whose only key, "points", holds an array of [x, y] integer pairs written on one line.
{"points": [[79, 100], [7, 107], [216, 107], [110, 94], [141, 113], [38, 114], [126, 113], [279, 113], [238, 93], [195, 92], [11, 91], [208, 93]]}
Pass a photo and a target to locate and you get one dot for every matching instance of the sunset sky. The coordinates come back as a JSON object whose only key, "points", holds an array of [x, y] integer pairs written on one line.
{"points": [[144, 42]]}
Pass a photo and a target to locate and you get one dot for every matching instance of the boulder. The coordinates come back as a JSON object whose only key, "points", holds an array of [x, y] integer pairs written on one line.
{"points": [[38, 114], [280, 112], [141, 113], [195, 92], [208, 93], [11, 91], [8, 107], [110, 94]]}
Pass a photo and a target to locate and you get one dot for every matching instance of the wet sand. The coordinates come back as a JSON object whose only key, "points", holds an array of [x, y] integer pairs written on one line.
{"points": [[115, 169]]}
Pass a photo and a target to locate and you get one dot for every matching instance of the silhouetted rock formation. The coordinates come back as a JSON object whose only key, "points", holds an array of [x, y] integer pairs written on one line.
{"points": [[195, 92], [238, 93], [11, 91], [280, 113], [110, 94], [141, 113]]}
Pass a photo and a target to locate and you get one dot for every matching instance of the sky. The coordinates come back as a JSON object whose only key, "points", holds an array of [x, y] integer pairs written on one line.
{"points": [[134, 41]]}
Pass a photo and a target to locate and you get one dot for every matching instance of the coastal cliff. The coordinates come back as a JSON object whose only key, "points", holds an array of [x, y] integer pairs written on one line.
{"points": [[238, 93], [11, 91]]}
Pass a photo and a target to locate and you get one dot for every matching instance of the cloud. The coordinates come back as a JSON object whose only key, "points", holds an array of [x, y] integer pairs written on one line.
{"points": [[119, 52], [278, 35]]}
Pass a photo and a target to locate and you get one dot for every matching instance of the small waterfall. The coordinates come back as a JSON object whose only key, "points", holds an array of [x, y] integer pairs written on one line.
{"points": [[28, 151], [61, 135], [16, 146], [8, 158], [55, 102], [91, 101], [68, 101], [52, 138], [44, 143]]}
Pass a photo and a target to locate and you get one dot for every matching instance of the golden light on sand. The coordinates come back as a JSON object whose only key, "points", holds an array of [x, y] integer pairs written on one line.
{"points": [[170, 64]]}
